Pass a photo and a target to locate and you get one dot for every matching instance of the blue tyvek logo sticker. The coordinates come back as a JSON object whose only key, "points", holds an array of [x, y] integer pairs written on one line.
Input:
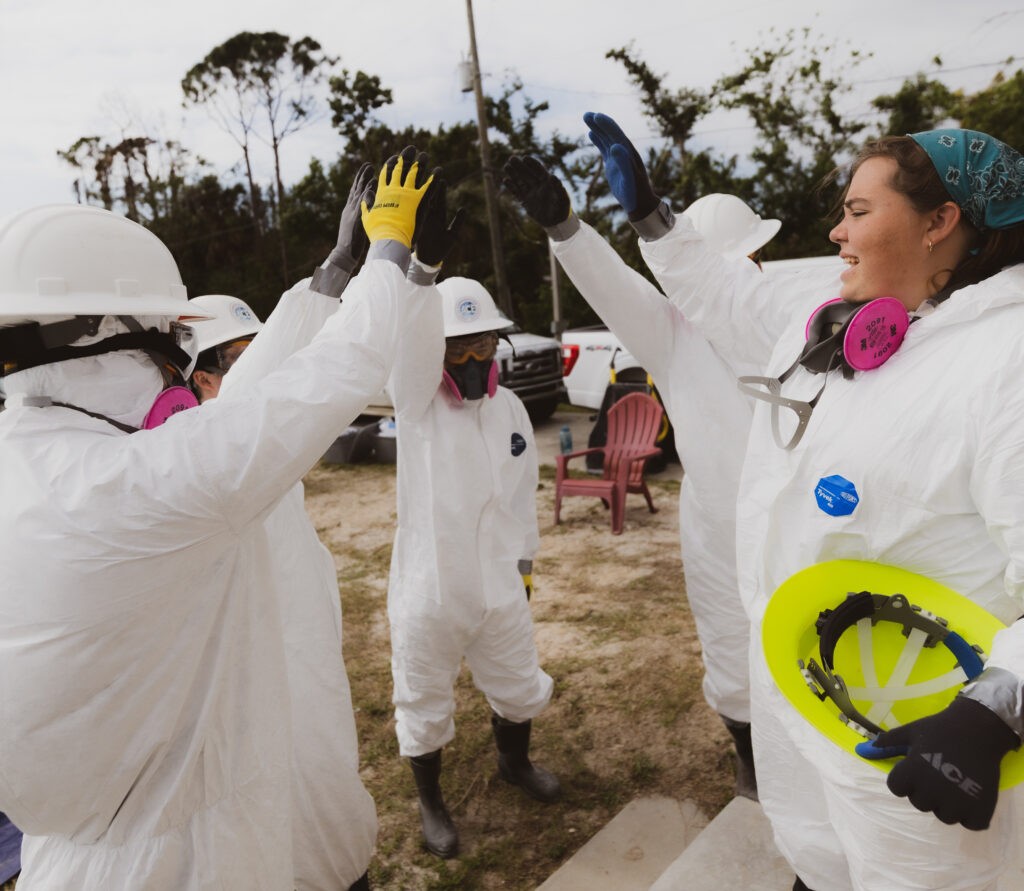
{"points": [[518, 444], [836, 495]]}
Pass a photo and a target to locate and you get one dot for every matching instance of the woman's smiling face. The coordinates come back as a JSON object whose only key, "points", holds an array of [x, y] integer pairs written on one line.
{"points": [[883, 239]]}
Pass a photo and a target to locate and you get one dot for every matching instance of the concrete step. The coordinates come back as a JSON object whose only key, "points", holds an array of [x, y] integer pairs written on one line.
{"points": [[636, 847], [736, 850], [660, 844]]}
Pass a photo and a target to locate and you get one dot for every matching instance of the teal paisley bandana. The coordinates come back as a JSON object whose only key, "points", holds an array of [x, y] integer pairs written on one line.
{"points": [[982, 175]]}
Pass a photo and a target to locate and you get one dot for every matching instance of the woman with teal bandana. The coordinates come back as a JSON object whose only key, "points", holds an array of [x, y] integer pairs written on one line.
{"points": [[914, 461]]}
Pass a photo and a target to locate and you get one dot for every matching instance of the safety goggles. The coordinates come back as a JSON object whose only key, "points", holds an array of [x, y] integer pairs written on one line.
{"points": [[219, 359], [481, 347], [229, 353]]}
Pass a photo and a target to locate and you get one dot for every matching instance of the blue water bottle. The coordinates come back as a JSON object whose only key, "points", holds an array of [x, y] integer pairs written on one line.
{"points": [[565, 439]]}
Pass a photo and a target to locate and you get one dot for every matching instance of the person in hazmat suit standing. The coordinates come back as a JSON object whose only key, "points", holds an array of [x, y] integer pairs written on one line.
{"points": [[145, 742], [461, 568], [923, 434], [710, 416]]}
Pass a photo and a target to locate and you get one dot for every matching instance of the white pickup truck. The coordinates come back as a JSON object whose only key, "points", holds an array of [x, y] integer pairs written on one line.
{"points": [[591, 354]]}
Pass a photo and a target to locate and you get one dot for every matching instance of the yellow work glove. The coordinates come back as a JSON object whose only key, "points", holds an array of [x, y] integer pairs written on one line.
{"points": [[526, 571], [400, 188]]}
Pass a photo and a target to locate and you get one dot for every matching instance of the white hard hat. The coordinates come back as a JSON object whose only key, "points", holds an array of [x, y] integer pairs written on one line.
{"points": [[469, 308], [64, 260], [729, 226], [230, 319]]}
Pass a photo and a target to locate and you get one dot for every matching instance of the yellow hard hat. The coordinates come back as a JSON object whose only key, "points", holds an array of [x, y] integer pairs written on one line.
{"points": [[860, 647]]}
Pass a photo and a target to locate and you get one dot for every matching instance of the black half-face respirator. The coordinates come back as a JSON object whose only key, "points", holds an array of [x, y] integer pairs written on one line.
{"points": [[839, 335], [470, 371]]}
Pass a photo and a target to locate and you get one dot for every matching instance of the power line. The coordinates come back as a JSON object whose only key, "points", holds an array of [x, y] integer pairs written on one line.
{"points": [[1009, 60], [940, 70]]}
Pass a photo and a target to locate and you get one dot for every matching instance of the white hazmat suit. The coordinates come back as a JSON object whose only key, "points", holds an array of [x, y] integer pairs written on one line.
{"points": [[467, 481], [712, 419], [334, 821], [145, 737], [933, 442]]}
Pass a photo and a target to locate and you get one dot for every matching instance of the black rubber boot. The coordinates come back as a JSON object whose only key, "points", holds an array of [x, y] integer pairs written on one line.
{"points": [[746, 778], [798, 885], [439, 833], [361, 884], [514, 765]]}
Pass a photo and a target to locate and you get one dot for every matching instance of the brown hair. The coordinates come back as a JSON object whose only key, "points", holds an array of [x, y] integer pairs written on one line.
{"points": [[917, 179]]}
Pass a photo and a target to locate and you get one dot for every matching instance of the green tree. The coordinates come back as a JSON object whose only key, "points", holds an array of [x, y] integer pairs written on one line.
{"points": [[137, 175], [789, 89], [353, 99], [216, 245], [998, 109], [920, 103], [262, 86]]}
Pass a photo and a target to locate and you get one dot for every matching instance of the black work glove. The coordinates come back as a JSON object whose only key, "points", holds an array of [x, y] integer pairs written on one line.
{"points": [[434, 237], [541, 193], [952, 762]]}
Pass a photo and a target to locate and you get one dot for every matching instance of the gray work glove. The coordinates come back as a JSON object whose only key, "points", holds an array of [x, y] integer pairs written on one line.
{"points": [[333, 274]]}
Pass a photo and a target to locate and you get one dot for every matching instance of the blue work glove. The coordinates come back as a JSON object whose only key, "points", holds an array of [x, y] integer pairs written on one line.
{"points": [[952, 761], [435, 236], [623, 167], [541, 193]]}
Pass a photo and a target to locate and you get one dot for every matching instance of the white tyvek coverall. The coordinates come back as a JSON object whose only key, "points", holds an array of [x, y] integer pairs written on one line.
{"points": [[467, 481], [334, 821], [711, 418], [934, 443], [142, 671]]}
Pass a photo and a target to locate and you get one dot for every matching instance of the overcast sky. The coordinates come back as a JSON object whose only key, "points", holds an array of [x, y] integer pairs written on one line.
{"points": [[65, 64]]}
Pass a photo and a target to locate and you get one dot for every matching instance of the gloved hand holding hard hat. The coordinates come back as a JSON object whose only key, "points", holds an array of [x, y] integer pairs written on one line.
{"points": [[952, 763], [883, 674]]}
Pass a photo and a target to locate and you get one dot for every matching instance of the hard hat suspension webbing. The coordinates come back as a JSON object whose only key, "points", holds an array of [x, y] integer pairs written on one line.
{"points": [[922, 630]]}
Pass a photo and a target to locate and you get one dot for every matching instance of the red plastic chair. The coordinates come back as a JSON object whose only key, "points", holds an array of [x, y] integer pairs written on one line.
{"points": [[633, 424]]}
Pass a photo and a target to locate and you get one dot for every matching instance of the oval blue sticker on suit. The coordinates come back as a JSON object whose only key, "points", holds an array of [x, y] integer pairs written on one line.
{"points": [[518, 444], [836, 495]]}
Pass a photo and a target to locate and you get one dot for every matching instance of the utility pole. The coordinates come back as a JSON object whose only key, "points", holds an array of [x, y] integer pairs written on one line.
{"points": [[557, 322], [504, 299]]}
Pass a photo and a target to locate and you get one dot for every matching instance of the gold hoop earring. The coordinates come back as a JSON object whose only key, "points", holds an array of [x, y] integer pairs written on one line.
{"points": [[930, 246]]}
